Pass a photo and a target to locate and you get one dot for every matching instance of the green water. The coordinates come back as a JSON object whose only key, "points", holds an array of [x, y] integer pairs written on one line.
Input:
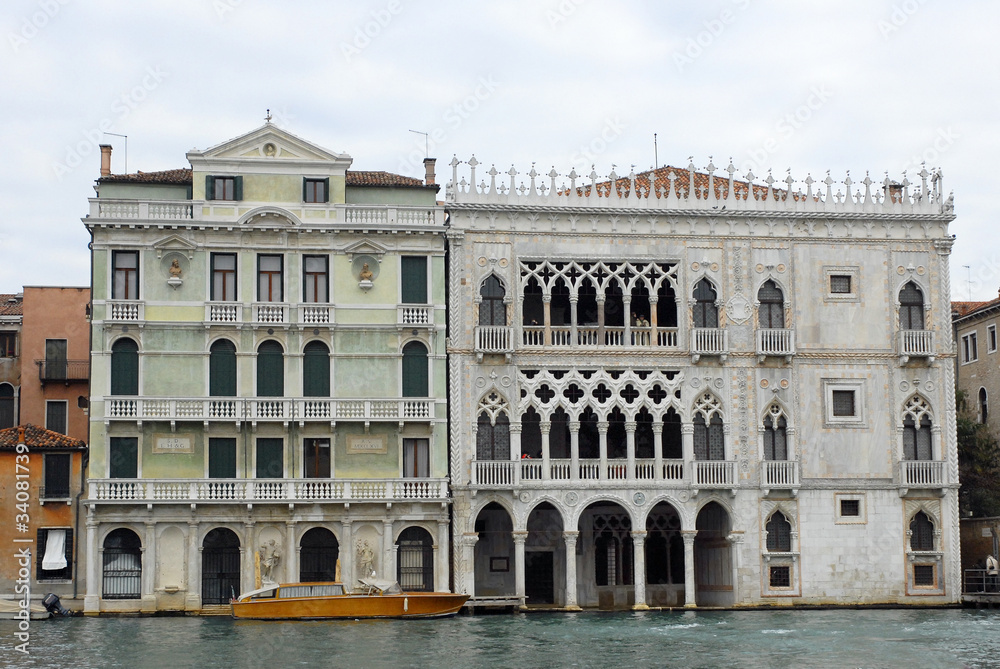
{"points": [[835, 638]]}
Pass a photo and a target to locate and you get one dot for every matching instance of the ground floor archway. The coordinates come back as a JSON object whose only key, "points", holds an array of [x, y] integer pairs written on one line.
{"points": [[220, 566], [494, 552], [713, 561], [415, 560], [318, 554]]}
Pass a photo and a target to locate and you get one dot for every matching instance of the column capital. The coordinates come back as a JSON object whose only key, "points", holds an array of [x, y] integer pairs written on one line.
{"points": [[571, 534], [638, 534], [657, 427], [630, 425], [688, 536], [602, 426], [520, 536]]}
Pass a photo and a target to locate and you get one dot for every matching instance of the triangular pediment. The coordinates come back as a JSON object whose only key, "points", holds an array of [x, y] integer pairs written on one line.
{"points": [[268, 144], [174, 243], [366, 247]]}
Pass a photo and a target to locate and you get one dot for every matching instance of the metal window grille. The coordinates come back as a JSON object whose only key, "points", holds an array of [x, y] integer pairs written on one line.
{"points": [[923, 575], [843, 403], [780, 576]]}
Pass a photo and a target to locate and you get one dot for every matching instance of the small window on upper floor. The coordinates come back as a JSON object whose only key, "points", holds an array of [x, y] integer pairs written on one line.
{"points": [[844, 402], [8, 344], [223, 188], [840, 284], [970, 348], [316, 190], [991, 339], [125, 267]]}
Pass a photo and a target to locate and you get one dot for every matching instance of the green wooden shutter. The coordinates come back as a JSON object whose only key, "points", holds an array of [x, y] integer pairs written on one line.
{"points": [[414, 279], [238, 188], [221, 458], [415, 370], [305, 188], [316, 370], [270, 370], [222, 369], [209, 187], [124, 457], [57, 467], [326, 189], [125, 368], [270, 454]]}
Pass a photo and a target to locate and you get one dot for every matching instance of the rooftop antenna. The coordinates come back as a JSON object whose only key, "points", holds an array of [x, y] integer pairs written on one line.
{"points": [[115, 134], [968, 280], [426, 145], [656, 157]]}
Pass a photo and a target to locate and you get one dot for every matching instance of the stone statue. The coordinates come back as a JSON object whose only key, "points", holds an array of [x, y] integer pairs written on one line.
{"points": [[366, 560], [270, 556], [366, 273], [175, 269]]}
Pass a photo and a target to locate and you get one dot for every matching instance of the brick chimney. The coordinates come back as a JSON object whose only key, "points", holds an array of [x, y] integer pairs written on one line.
{"points": [[429, 171], [105, 160]]}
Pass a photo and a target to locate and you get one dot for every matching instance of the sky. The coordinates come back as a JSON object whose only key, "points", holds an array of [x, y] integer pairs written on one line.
{"points": [[859, 85]]}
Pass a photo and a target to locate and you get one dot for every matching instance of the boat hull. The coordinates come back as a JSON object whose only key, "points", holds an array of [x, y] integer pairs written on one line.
{"points": [[404, 605]]}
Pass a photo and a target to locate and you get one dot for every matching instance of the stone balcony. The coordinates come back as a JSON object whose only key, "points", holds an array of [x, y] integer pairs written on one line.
{"points": [[709, 341], [586, 472], [921, 474], [592, 336], [775, 342], [265, 491], [779, 475], [259, 409], [916, 344]]}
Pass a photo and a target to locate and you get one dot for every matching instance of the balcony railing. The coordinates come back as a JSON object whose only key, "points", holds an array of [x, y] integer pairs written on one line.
{"points": [[266, 408], [223, 312], [709, 341], [916, 344], [126, 310], [923, 473], [494, 339], [270, 313], [779, 474], [588, 336], [714, 473], [173, 491], [409, 315], [63, 371], [501, 473], [778, 342]]}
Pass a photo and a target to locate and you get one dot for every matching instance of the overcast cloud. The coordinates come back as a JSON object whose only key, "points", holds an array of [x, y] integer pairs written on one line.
{"points": [[860, 85]]}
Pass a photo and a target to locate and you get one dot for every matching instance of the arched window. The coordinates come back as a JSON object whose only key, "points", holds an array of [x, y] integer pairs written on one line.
{"points": [[673, 448], [983, 405], [125, 367], [220, 566], [911, 307], [270, 370], [318, 555], [493, 438], [775, 438], [415, 560], [709, 440], [492, 310], [771, 312], [415, 375], [706, 314], [222, 369], [917, 430], [921, 533], [316, 370], [122, 565], [7, 418], [779, 533]]}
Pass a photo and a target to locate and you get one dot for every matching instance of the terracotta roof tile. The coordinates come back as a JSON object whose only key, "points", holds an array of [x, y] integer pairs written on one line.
{"points": [[383, 179], [11, 304], [38, 437], [963, 309], [180, 176]]}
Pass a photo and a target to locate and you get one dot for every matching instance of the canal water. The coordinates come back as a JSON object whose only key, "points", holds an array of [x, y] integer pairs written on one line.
{"points": [[831, 638]]}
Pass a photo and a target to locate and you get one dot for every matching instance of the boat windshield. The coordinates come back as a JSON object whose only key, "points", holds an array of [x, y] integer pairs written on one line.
{"points": [[324, 590], [374, 586]]}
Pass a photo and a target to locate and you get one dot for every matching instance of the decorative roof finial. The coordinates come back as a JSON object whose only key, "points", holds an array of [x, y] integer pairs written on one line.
{"points": [[267, 117]]}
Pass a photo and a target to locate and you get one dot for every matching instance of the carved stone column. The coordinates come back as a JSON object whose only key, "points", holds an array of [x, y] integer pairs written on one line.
{"points": [[547, 312], [600, 318], [148, 604], [388, 551], [689, 594], [519, 538], [657, 450], [630, 449], [346, 554], [627, 318], [546, 428], [247, 549], [602, 434], [192, 601], [469, 549], [515, 449], [653, 325], [92, 600], [687, 447], [442, 580], [574, 450], [735, 540], [570, 538], [291, 552], [639, 577]]}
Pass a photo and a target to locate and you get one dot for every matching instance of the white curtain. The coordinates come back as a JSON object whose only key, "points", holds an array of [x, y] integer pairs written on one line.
{"points": [[55, 550]]}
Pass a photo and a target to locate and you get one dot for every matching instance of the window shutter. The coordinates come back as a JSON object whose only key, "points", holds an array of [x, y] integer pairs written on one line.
{"points": [[221, 458], [125, 368], [415, 371], [305, 188], [414, 279], [316, 371], [326, 189], [270, 454], [222, 370], [124, 457], [238, 188], [270, 370], [209, 187]]}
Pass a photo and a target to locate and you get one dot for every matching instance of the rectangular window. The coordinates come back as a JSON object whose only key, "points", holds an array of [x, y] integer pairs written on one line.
{"points": [[125, 285], [416, 458], [316, 458], [223, 188], [270, 458], [55, 360], [316, 190], [316, 279], [923, 576], [54, 554], [221, 458], [269, 278], [8, 344], [780, 576], [223, 277], [970, 348], [843, 403], [850, 508], [414, 279], [840, 284], [124, 458], [55, 415], [57, 472], [991, 339]]}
